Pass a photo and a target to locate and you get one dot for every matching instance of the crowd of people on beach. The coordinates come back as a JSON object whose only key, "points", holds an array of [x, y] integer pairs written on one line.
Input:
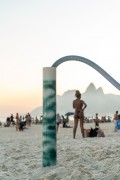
{"points": [[79, 106], [23, 122], [79, 118], [19, 121]]}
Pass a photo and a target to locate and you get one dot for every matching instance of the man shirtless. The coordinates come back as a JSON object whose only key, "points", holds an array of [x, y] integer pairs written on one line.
{"points": [[79, 106]]}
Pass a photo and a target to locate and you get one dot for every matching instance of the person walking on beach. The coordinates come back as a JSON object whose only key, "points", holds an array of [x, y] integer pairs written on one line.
{"points": [[79, 106]]}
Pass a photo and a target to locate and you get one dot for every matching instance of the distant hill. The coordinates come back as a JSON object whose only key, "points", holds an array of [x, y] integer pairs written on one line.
{"points": [[97, 102]]}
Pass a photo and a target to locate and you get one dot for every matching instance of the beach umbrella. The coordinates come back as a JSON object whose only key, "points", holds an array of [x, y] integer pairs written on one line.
{"points": [[69, 113]]}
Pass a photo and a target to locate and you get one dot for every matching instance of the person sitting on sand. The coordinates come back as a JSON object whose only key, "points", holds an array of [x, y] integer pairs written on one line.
{"points": [[8, 122], [79, 106], [12, 120], [64, 121]]}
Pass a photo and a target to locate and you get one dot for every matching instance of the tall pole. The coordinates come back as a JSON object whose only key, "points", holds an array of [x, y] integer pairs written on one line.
{"points": [[49, 116]]}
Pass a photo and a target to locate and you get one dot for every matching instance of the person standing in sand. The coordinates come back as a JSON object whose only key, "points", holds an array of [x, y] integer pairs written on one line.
{"points": [[96, 120], [17, 122], [115, 120], [79, 106], [58, 121]]}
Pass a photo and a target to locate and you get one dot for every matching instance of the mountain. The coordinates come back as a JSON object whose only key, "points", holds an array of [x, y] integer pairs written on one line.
{"points": [[91, 89], [96, 100]]}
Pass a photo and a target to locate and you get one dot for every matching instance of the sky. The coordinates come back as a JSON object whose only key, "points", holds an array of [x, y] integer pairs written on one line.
{"points": [[36, 33]]}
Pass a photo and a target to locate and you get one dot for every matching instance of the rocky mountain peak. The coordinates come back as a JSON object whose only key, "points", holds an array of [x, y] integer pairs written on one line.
{"points": [[100, 90], [91, 88]]}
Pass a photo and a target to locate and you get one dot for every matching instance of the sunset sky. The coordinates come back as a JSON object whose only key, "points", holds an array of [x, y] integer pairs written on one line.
{"points": [[36, 33]]}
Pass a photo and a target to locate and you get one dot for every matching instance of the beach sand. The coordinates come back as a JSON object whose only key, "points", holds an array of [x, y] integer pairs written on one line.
{"points": [[77, 159]]}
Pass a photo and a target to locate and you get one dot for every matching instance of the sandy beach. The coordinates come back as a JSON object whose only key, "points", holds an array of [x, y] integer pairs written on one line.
{"points": [[77, 159]]}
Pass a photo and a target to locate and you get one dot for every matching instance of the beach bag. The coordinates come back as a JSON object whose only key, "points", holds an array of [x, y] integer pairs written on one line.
{"points": [[86, 132], [100, 133], [93, 132]]}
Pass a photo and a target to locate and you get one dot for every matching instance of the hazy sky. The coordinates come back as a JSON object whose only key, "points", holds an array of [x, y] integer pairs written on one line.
{"points": [[36, 33]]}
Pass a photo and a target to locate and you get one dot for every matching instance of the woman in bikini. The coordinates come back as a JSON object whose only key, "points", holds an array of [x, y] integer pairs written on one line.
{"points": [[79, 106]]}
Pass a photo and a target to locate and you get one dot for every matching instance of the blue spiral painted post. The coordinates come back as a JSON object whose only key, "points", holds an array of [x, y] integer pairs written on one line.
{"points": [[49, 116]]}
